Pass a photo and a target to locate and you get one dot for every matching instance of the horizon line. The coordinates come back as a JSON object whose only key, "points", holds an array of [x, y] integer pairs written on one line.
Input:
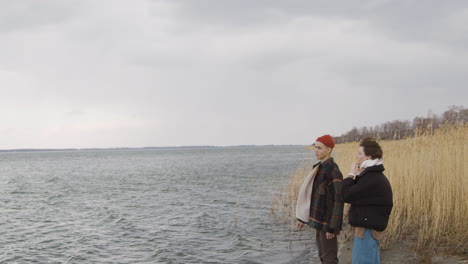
{"points": [[143, 148]]}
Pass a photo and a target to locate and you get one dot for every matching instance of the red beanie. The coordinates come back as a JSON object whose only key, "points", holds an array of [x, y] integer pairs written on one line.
{"points": [[327, 140]]}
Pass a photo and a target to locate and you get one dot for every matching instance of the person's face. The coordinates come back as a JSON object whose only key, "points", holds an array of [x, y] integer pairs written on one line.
{"points": [[361, 155], [321, 150]]}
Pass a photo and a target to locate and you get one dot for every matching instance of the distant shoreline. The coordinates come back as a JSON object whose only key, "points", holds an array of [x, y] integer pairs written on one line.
{"points": [[144, 148]]}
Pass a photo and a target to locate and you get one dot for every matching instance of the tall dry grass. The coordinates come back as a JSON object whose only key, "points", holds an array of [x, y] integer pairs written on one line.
{"points": [[430, 188]]}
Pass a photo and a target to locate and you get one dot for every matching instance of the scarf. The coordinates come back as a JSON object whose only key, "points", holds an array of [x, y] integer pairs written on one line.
{"points": [[371, 162], [304, 197]]}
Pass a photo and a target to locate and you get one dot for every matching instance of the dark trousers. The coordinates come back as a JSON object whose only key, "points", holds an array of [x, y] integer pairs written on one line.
{"points": [[327, 248]]}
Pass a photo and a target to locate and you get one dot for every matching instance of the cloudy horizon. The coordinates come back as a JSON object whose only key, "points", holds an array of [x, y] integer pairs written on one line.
{"points": [[105, 74]]}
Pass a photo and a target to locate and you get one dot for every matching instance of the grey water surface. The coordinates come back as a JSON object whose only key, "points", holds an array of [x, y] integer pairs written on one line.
{"points": [[184, 205]]}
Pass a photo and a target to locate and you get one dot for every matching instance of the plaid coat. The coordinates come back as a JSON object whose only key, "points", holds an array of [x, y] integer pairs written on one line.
{"points": [[326, 206]]}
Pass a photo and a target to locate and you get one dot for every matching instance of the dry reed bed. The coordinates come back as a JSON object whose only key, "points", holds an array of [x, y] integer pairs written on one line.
{"points": [[430, 188]]}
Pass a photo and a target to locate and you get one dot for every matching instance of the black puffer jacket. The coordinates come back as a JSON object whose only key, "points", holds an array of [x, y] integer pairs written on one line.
{"points": [[370, 196]]}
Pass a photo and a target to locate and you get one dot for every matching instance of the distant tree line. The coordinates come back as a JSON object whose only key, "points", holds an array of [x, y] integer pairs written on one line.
{"points": [[402, 129]]}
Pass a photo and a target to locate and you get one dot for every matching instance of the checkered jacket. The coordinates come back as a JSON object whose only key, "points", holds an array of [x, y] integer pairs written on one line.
{"points": [[326, 207]]}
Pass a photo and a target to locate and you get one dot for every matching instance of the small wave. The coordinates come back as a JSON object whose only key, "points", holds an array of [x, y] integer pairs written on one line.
{"points": [[55, 197], [19, 191], [76, 259], [52, 180], [162, 256]]}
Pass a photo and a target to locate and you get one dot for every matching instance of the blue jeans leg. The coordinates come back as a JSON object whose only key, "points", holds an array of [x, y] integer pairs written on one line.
{"points": [[366, 250]]}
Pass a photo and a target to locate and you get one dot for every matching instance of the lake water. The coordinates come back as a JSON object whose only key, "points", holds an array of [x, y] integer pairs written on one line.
{"points": [[192, 205]]}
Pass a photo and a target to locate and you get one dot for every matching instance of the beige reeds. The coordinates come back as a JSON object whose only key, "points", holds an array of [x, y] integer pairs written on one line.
{"points": [[430, 187], [283, 205]]}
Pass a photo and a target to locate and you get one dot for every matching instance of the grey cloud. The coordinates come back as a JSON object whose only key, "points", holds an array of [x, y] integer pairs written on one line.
{"points": [[30, 14], [225, 72], [246, 12], [408, 20], [404, 77]]}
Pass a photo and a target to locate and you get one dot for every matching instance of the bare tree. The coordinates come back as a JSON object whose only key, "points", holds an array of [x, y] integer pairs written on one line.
{"points": [[398, 129]]}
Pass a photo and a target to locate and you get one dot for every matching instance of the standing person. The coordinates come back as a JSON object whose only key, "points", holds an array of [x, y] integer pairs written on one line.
{"points": [[320, 202], [369, 192]]}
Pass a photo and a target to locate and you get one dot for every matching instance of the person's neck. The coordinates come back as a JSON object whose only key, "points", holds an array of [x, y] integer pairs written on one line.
{"points": [[324, 159]]}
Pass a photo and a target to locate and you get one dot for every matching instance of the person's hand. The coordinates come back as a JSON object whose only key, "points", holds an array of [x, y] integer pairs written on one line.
{"points": [[299, 225], [330, 235], [353, 170]]}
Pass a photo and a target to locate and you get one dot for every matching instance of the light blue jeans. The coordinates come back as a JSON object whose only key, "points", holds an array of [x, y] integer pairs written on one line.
{"points": [[366, 250]]}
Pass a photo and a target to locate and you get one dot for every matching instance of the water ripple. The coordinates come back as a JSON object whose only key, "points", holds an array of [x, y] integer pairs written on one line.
{"points": [[154, 206]]}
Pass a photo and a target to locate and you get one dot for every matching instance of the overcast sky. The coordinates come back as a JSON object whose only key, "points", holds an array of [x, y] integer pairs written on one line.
{"points": [[197, 72]]}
